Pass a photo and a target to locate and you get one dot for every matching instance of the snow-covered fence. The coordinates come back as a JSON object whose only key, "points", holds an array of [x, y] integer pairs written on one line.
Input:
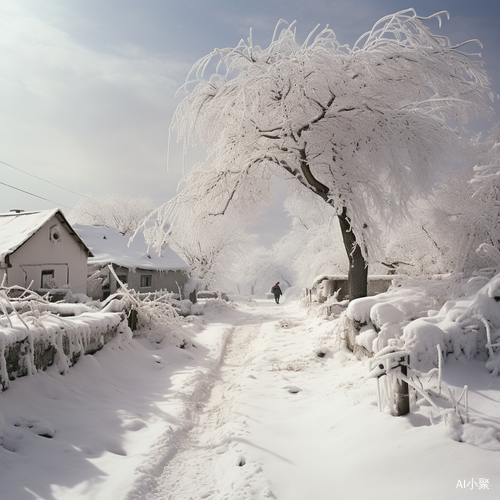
{"points": [[28, 345], [390, 366], [394, 377]]}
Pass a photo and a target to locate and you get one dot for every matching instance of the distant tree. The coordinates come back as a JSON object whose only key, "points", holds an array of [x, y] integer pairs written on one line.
{"points": [[359, 127], [211, 246], [431, 240], [262, 267], [483, 226], [120, 211], [314, 244], [463, 214]]}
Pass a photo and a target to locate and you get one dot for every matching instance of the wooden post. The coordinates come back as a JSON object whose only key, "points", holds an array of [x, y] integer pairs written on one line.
{"points": [[132, 319], [401, 392]]}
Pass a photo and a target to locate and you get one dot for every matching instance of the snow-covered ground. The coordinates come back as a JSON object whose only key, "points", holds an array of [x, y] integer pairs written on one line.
{"points": [[266, 405]]}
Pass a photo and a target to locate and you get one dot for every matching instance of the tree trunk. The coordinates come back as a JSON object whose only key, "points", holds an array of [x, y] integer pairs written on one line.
{"points": [[358, 268]]}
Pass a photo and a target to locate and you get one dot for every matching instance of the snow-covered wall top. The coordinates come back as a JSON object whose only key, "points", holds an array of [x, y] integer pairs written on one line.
{"points": [[109, 246]]}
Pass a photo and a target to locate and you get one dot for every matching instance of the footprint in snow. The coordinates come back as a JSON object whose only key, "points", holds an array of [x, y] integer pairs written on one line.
{"points": [[37, 425], [292, 389]]}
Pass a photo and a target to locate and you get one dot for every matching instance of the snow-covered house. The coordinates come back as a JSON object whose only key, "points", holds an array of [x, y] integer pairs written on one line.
{"points": [[41, 250], [133, 262]]}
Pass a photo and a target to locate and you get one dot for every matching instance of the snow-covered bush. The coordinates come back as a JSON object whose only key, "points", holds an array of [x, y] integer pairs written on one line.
{"points": [[155, 317], [416, 319], [217, 306]]}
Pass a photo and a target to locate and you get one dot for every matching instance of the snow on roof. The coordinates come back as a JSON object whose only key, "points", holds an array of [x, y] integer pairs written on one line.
{"points": [[109, 246], [18, 227]]}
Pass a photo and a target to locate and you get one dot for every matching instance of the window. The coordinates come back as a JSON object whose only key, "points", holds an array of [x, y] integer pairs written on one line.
{"points": [[55, 233], [123, 278], [145, 280], [48, 278]]}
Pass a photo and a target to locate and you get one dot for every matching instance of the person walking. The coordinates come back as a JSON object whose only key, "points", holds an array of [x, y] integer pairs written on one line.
{"points": [[277, 292]]}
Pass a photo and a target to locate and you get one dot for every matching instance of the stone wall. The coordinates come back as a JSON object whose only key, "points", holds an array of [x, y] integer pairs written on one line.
{"points": [[326, 286], [59, 341]]}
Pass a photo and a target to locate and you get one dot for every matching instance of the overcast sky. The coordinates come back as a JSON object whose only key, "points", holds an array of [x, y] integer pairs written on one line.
{"points": [[87, 87]]}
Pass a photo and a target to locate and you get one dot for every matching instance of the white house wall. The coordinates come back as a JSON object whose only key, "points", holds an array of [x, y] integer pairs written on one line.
{"points": [[64, 255], [160, 280]]}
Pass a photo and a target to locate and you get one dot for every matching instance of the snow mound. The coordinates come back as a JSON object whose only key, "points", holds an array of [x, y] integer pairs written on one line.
{"points": [[37, 425], [467, 327]]}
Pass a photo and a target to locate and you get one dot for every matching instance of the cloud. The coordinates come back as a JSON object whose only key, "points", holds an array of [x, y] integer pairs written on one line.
{"points": [[92, 121], [87, 87]]}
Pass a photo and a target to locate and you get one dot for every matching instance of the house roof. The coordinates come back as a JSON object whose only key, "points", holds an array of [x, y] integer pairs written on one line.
{"points": [[109, 246], [18, 227]]}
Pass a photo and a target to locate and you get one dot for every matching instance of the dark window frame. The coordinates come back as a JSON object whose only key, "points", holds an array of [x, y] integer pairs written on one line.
{"points": [[123, 278], [146, 280], [45, 273]]}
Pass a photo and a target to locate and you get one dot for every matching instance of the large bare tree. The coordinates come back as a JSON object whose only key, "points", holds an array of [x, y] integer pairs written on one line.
{"points": [[359, 127]]}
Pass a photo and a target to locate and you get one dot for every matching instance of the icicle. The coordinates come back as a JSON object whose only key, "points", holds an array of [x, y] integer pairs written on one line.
{"points": [[4, 310], [378, 395], [489, 345], [465, 393], [440, 364]]}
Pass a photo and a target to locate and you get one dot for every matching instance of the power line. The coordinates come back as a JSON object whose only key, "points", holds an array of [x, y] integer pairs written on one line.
{"points": [[39, 178], [35, 195]]}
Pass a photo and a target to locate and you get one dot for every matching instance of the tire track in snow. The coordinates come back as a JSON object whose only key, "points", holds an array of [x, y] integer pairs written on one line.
{"points": [[207, 464]]}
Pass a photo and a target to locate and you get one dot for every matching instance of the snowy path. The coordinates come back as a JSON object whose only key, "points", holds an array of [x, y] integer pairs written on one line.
{"points": [[264, 407], [197, 470], [282, 422]]}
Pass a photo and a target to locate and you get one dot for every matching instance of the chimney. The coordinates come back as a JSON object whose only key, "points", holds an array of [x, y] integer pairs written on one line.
{"points": [[16, 210]]}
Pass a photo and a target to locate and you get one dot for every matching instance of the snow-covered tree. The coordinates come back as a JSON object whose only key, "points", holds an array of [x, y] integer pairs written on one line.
{"points": [[462, 215], [431, 240], [359, 127], [211, 246], [120, 211], [486, 183], [487, 172], [262, 267], [314, 244]]}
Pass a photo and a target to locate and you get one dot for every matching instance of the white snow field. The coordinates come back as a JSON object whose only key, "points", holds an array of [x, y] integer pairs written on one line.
{"points": [[266, 405]]}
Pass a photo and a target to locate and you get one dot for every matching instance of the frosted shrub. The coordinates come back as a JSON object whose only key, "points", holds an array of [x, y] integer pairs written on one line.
{"points": [[467, 326], [157, 319]]}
